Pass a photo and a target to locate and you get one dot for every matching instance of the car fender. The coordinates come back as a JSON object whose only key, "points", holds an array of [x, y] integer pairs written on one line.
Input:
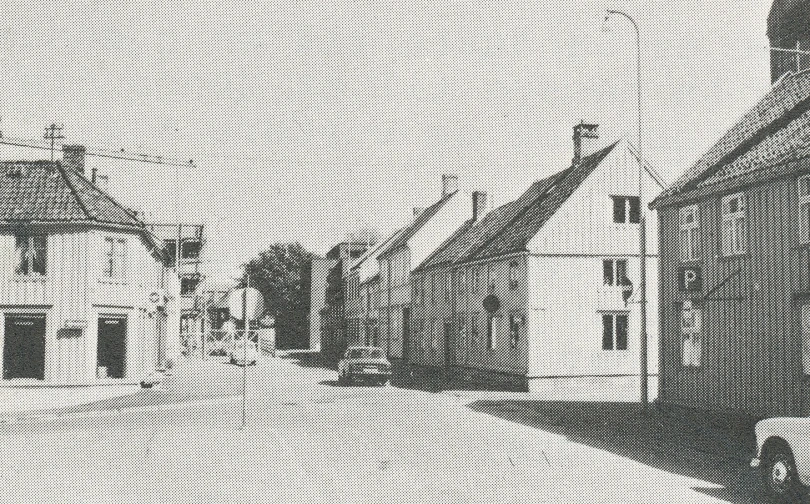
{"points": [[795, 432]]}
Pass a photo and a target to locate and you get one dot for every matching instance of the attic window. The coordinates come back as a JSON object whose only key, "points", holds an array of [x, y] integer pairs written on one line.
{"points": [[626, 209]]}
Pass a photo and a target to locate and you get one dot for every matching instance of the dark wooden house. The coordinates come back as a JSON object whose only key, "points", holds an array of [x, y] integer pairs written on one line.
{"points": [[735, 285]]}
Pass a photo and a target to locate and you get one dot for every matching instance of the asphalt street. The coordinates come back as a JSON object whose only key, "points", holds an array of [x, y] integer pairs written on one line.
{"points": [[309, 440]]}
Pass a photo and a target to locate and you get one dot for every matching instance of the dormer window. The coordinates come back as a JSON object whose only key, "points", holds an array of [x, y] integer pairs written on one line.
{"points": [[31, 255], [626, 209]]}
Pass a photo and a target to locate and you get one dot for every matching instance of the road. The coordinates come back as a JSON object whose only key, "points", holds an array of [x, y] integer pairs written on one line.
{"points": [[311, 441]]}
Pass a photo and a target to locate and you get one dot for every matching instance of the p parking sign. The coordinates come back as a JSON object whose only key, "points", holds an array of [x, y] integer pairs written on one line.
{"points": [[690, 279]]}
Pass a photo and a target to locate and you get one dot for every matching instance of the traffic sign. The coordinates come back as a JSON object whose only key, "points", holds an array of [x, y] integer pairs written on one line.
{"points": [[250, 299], [491, 303]]}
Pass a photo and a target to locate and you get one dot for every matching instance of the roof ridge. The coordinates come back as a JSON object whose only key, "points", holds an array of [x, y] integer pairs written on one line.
{"points": [[104, 194], [73, 191]]}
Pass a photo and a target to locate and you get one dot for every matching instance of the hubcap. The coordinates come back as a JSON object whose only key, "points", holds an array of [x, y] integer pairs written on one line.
{"points": [[779, 473]]}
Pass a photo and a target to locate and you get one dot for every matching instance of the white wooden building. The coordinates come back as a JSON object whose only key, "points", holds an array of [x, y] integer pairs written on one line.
{"points": [[560, 269], [429, 228], [83, 286]]}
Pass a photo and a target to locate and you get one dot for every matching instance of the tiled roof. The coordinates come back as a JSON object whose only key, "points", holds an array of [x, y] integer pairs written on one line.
{"points": [[416, 225], [509, 227], [536, 207], [42, 191], [775, 131]]}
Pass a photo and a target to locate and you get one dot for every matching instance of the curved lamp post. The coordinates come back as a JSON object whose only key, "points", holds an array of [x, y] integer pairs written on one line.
{"points": [[642, 224]]}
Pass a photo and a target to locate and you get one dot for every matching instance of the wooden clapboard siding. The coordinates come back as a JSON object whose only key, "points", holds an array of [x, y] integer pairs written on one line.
{"points": [[73, 290], [751, 359]]}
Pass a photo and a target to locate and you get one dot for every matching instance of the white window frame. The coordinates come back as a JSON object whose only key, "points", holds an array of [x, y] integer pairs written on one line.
{"points": [[733, 230], [688, 233], [24, 266], [614, 324], [803, 188], [115, 254]]}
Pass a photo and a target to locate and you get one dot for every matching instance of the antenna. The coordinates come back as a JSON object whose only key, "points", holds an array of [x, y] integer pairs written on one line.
{"points": [[53, 133]]}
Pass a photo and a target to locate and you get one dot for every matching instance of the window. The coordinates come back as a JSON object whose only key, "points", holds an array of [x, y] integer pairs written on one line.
{"points": [[614, 331], [188, 285], [462, 323], [32, 255], [490, 279], [733, 230], [804, 209], [115, 258], [492, 331], [190, 249], [434, 340], [477, 278], [171, 250], [422, 286], [462, 278], [474, 329], [626, 209], [448, 285], [513, 275], [691, 322], [433, 289], [688, 235], [614, 272], [514, 330]]}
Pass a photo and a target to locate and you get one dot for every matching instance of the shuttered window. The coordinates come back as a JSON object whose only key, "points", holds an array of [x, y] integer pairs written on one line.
{"points": [[689, 227], [804, 209], [733, 225], [691, 327]]}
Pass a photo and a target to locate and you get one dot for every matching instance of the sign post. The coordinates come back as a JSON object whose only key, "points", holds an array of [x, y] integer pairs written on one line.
{"points": [[246, 304]]}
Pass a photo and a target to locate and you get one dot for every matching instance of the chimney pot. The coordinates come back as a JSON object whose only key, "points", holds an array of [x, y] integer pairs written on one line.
{"points": [[73, 157], [586, 137], [449, 184], [480, 202]]}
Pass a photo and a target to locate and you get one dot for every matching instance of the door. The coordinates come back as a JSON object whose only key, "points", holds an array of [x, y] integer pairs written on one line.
{"points": [[112, 345], [448, 345], [406, 332], [24, 347]]}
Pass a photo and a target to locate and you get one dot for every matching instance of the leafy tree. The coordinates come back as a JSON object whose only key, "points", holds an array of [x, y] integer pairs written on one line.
{"points": [[282, 274]]}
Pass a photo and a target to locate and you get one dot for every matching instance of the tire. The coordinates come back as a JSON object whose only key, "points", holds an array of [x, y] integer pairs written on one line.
{"points": [[779, 475]]}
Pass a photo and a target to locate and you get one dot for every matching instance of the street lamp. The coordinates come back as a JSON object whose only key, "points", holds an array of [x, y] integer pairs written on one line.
{"points": [[642, 224]]}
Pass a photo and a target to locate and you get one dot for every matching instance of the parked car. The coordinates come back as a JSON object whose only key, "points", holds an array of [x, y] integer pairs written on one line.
{"points": [[238, 355], [783, 457], [362, 363]]}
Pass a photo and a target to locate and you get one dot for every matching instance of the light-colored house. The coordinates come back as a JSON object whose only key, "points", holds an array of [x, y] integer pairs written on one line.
{"points": [[362, 284], [83, 284], [543, 286], [429, 228]]}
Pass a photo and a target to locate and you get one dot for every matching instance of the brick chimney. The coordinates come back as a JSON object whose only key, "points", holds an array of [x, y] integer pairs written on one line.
{"points": [[585, 140], [73, 157], [480, 203], [449, 184]]}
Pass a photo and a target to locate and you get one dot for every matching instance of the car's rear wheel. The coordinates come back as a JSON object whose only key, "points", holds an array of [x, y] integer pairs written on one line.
{"points": [[780, 475]]}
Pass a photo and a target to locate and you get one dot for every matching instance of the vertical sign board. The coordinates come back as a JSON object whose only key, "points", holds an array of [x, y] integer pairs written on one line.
{"points": [[690, 279]]}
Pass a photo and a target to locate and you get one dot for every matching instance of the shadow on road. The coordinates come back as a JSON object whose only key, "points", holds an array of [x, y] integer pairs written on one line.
{"points": [[308, 358], [710, 450]]}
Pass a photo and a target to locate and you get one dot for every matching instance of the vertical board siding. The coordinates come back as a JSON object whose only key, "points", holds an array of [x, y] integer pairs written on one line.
{"points": [[71, 290], [751, 359]]}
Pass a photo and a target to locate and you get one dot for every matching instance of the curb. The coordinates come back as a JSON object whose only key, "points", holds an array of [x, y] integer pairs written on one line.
{"points": [[47, 417]]}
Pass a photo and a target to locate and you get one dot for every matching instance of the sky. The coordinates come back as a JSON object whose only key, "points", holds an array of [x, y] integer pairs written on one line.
{"points": [[308, 120]]}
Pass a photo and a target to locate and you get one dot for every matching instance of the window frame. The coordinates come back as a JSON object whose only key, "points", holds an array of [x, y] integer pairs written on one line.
{"points": [[804, 209], [514, 329], [115, 253], [689, 234], [740, 216], [514, 265], [630, 207], [25, 267], [614, 317]]}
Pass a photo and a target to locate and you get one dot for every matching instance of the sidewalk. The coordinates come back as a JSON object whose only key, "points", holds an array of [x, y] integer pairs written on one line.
{"points": [[14, 400]]}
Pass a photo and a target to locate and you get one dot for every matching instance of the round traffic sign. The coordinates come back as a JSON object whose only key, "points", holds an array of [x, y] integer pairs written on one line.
{"points": [[491, 303], [246, 301]]}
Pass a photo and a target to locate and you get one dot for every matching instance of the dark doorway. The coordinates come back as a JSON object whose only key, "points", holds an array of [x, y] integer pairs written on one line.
{"points": [[448, 335], [406, 332], [24, 347], [112, 345]]}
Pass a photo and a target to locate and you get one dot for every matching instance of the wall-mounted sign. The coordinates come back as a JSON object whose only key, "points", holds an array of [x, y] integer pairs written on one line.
{"points": [[690, 278], [75, 324], [491, 303]]}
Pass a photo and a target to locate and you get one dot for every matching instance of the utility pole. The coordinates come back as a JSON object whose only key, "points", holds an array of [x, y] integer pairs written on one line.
{"points": [[53, 133]]}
